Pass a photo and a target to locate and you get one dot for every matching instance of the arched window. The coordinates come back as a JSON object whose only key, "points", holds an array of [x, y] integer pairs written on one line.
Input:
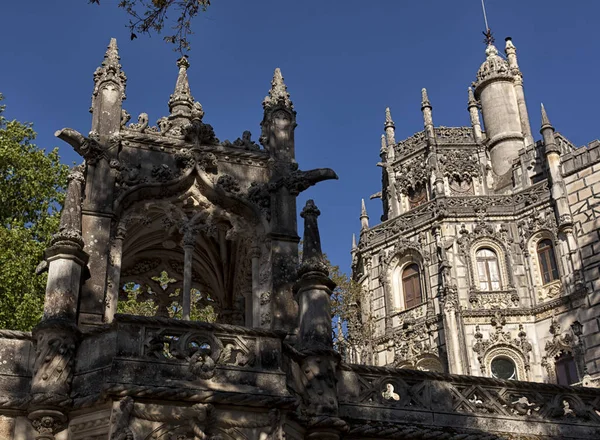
{"points": [[504, 368], [411, 286], [488, 270], [566, 371], [547, 260]]}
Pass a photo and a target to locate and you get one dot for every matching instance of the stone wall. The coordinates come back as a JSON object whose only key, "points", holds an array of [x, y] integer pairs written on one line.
{"points": [[581, 169]]}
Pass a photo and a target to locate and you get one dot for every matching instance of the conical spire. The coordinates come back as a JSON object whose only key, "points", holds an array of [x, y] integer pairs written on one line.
{"points": [[110, 70], [545, 120], [424, 99], [312, 255], [472, 100], [364, 217], [278, 95], [181, 102], [388, 118]]}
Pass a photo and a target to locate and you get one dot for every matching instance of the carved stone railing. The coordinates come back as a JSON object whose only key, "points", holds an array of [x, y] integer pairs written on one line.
{"points": [[498, 299], [381, 397]]}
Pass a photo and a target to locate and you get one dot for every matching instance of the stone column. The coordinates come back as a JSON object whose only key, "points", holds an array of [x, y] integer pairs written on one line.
{"points": [[114, 274], [254, 300], [57, 336], [189, 239], [511, 57]]}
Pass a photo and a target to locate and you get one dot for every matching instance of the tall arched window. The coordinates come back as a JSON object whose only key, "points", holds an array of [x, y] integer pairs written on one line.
{"points": [[488, 270], [411, 286], [547, 260]]}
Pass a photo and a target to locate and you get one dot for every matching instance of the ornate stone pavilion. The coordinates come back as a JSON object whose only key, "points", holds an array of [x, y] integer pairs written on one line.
{"points": [[193, 220], [486, 261]]}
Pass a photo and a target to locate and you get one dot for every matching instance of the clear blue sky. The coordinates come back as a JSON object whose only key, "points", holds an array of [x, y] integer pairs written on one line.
{"points": [[344, 61]]}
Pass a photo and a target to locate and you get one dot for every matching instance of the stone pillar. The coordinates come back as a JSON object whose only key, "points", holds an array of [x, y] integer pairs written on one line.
{"points": [[57, 336], [474, 115], [317, 360], [437, 179], [511, 57], [254, 303], [278, 125], [189, 240], [114, 274]]}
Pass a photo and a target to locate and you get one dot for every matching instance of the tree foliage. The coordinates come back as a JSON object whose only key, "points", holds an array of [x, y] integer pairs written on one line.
{"points": [[151, 16], [31, 192]]}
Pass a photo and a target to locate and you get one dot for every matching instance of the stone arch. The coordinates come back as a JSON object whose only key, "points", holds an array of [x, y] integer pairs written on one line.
{"points": [[223, 234], [508, 352]]}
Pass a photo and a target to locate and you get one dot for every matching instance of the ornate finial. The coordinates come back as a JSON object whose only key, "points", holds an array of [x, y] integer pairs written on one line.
{"points": [[353, 241], [472, 100], [363, 209], [312, 255], [110, 70], [181, 102], [545, 120], [424, 99], [278, 95], [388, 118], [509, 44]]}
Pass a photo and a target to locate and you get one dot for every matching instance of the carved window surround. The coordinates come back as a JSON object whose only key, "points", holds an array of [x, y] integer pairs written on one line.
{"points": [[563, 343], [555, 288]]}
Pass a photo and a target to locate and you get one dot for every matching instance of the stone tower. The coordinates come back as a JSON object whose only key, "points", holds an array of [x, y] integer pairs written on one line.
{"points": [[485, 262], [187, 221]]}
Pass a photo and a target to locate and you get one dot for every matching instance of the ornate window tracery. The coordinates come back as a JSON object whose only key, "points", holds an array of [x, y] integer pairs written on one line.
{"points": [[488, 270]]}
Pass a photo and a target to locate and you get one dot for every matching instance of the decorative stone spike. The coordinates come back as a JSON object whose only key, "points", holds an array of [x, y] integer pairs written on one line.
{"points": [[278, 95], [545, 120], [364, 217], [424, 99], [383, 149], [388, 118], [472, 100], [353, 241]]}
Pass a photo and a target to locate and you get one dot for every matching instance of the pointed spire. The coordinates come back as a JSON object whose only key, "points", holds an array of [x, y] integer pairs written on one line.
{"points": [[545, 120], [110, 70], [388, 118], [472, 100], [181, 102], [424, 99], [312, 255], [364, 217], [389, 126], [278, 95], [511, 55], [353, 241]]}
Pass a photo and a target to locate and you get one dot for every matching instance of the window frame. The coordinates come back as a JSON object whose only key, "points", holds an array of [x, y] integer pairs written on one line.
{"points": [[486, 260], [415, 279], [547, 255]]}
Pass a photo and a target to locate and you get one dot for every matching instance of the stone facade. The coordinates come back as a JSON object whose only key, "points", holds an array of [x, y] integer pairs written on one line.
{"points": [[502, 233], [195, 220]]}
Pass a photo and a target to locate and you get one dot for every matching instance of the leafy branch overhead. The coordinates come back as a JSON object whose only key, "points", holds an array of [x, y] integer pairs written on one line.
{"points": [[152, 16]]}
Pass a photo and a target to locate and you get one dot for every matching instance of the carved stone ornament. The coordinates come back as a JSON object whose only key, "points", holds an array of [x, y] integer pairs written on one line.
{"points": [[245, 142], [454, 135], [537, 221], [47, 423], [141, 124], [412, 343], [412, 174], [493, 67], [500, 343], [562, 343], [411, 144], [460, 164]]}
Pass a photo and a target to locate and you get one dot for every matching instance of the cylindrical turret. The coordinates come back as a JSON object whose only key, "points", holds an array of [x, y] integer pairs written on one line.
{"points": [[495, 90]]}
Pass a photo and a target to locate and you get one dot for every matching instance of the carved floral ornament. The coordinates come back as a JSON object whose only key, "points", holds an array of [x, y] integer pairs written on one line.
{"points": [[500, 344], [460, 164]]}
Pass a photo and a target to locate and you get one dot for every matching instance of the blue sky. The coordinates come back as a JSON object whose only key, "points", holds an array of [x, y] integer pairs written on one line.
{"points": [[344, 61]]}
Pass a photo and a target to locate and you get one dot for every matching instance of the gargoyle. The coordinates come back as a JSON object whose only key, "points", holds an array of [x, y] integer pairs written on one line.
{"points": [[88, 148]]}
